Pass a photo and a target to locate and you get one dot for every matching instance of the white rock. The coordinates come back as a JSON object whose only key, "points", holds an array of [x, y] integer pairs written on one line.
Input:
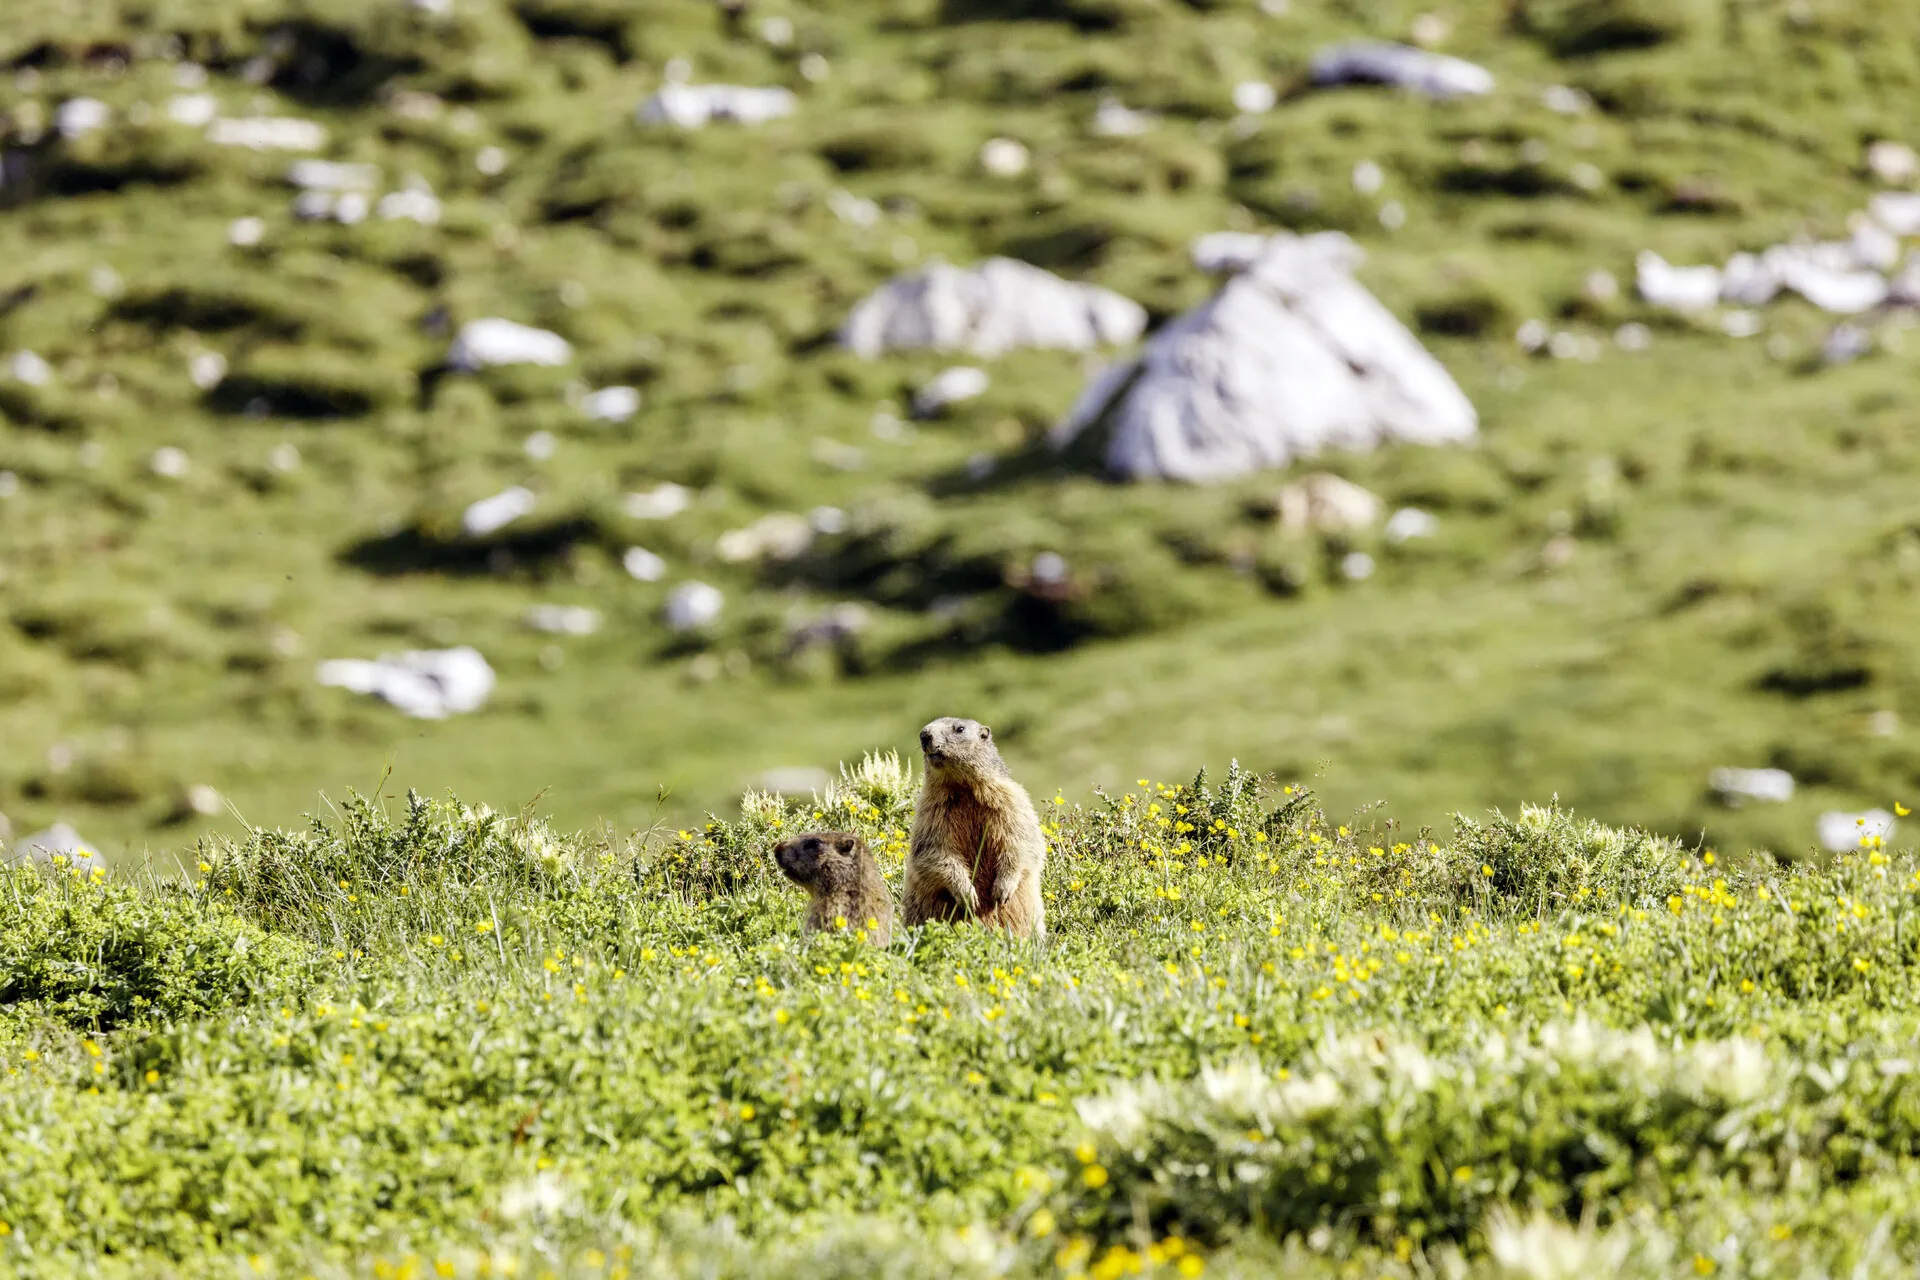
{"points": [[418, 206], [643, 565], [1323, 503], [267, 133], [489, 515], [332, 175], [350, 208], [1434, 75], [693, 605], [427, 684], [1532, 336], [1409, 523], [29, 367], [780, 536], [9, 484], [1736, 786], [540, 446], [285, 457], [1904, 288], [483, 344], [1356, 566], [1874, 247], [1680, 288], [1840, 293], [1633, 336], [1114, 119], [997, 306], [1601, 286], [777, 31], [563, 619], [1892, 162], [203, 800], [77, 117], [1847, 343], [1565, 100], [311, 206], [1897, 211], [58, 840], [662, 502], [1842, 832], [692, 106], [1749, 281], [611, 404], [189, 75], [1741, 323], [1003, 157], [1254, 97], [194, 110], [1290, 357], [244, 233], [855, 211], [1225, 252], [947, 388], [1368, 177], [490, 161], [1049, 569], [168, 462]]}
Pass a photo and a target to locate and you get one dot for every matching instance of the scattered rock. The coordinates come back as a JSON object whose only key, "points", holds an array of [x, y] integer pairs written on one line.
{"points": [[1847, 343], [997, 306], [563, 619], [483, 344], [1737, 786], [1897, 211], [1220, 253], [662, 502], [643, 565], [332, 175], [780, 536], [1841, 832], [1323, 503], [1356, 566], [1409, 523], [1290, 357], [1003, 157], [267, 133], [31, 368], [193, 110], [203, 800], [244, 233], [206, 369], [1114, 119], [836, 626], [58, 840], [1892, 162], [169, 462], [78, 117], [1565, 100], [947, 388], [693, 106], [414, 203], [1254, 97], [693, 605], [1681, 288], [489, 515], [611, 404], [1433, 75], [1633, 336], [427, 684]]}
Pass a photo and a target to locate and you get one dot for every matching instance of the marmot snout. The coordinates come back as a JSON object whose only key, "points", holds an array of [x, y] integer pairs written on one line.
{"points": [[977, 848], [838, 870]]}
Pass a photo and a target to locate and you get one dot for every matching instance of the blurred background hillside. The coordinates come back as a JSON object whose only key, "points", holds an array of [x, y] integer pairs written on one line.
{"points": [[334, 329]]}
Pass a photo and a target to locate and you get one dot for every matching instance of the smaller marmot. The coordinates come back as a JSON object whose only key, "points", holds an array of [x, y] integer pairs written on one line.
{"points": [[977, 851], [838, 869]]}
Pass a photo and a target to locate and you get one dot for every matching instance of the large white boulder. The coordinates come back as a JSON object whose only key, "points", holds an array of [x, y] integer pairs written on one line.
{"points": [[692, 106], [996, 306], [482, 344], [428, 684], [1290, 357]]}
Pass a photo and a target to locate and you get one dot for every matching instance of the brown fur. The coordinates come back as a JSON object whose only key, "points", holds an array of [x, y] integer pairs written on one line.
{"points": [[838, 869], [977, 850]]}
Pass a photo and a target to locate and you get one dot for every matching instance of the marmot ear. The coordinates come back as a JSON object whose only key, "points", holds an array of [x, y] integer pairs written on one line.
{"points": [[986, 733], [845, 843]]}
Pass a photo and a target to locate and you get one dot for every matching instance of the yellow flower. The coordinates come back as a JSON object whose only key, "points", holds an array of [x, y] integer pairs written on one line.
{"points": [[1780, 1230], [839, 922], [1095, 1176], [1901, 810], [747, 1112], [1485, 870], [1085, 1153], [483, 926], [153, 1077], [1041, 1224], [1191, 1266], [781, 1016], [1703, 1265]]}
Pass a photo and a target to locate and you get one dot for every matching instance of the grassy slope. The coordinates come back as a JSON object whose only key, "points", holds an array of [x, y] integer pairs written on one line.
{"points": [[165, 631], [435, 1036]]}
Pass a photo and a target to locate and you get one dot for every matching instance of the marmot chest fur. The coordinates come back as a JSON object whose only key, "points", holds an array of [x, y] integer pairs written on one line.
{"points": [[837, 869], [977, 850]]}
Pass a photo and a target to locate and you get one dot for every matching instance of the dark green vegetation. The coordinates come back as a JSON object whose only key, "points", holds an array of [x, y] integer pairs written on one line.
{"points": [[1741, 527], [439, 1040]]}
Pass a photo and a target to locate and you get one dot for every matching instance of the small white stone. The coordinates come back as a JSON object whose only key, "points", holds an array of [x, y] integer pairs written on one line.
{"points": [[168, 462], [1740, 323], [350, 209], [1847, 343], [203, 800], [948, 388], [856, 211], [491, 161], [1633, 336], [1532, 336], [1368, 177], [30, 368], [206, 370], [678, 71], [1049, 568], [1254, 97], [693, 605], [1565, 100], [540, 446], [267, 133], [814, 68], [194, 110], [827, 520], [189, 75], [1114, 119], [1774, 786], [563, 619], [485, 343], [1409, 523], [1430, 30], [244, 233], [663, 502], [1003, 157], [1601, 286], [105, 281], [1587, 177], [643, 565], [77, 117], [777, 31], [1393, 215], [285, 457], [332, 175], [1892, 162], [9, 484], [489, 515], [611, 404], [1356, 566], [422, 207]]}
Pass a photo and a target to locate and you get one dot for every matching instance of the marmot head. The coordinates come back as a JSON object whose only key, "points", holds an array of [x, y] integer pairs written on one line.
{"points": [[953, 745], [821, 858]]}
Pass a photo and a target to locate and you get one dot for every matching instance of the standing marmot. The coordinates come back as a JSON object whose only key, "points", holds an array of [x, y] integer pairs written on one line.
{"points": [[837, 868], [977, 849]]}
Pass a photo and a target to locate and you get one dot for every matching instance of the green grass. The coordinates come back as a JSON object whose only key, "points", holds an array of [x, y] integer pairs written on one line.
{"points": [[1258, 1036], [1741, 524]]}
